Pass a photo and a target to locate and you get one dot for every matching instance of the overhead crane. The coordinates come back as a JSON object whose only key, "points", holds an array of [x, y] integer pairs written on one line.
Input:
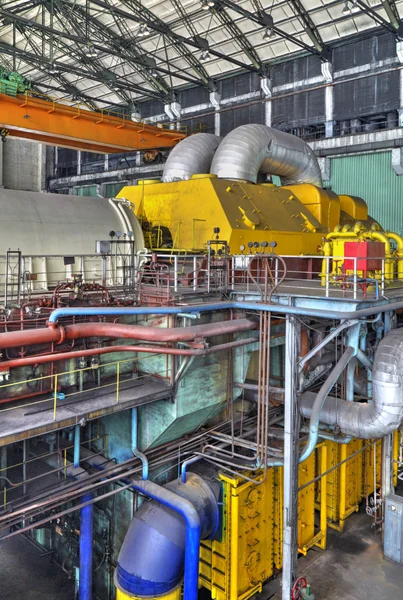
{"points": [[57, 124]]}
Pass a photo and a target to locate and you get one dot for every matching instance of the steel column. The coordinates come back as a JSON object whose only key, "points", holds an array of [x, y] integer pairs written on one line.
{"points": [[86, 521], [77, 435], [291, 456], [387, 468]]}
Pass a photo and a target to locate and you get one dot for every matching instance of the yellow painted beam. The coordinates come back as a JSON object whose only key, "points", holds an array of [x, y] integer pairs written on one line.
{"points": [[50, 122]]}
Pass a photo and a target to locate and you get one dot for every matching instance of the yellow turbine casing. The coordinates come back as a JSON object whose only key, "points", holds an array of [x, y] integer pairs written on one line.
{"points": [[296, 217]]}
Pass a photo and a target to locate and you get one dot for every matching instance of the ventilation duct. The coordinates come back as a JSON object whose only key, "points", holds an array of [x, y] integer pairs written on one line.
{"points": [[251, 149], [192, 155], [385, 413]]}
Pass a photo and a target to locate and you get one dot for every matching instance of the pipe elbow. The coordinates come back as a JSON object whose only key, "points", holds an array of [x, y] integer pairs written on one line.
{"points": [[385, 414], [250, 149], [191, 156], [152, 557]]}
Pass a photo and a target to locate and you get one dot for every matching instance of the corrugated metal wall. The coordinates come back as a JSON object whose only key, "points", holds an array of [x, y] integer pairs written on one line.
{"points": [[371, 177]]}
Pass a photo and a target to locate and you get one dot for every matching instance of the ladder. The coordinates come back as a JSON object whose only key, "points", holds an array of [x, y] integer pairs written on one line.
{"points": [[12, 291]]}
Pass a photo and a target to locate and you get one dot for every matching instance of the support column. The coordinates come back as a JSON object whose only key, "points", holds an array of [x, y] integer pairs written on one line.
{"points": [[400, 110], [78, 162], [3, 460], [217, 122], [327, 72], [387, 468], [77, 443], [1, 164], [268, 120], [266, 87], [215, 99], [55, 161], [24, 466], [291, 456], [329, 109], [86, 522]]}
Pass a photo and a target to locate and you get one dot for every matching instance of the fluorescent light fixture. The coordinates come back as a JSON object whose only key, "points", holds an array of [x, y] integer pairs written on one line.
{"points": [[269, 33], [346, 9], [205, 56], [144, 30], [54, 69], [207, 4], [90, 51]]}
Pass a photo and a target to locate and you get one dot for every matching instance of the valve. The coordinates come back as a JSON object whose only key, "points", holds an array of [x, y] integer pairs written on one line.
{"points": [[301, 590]]}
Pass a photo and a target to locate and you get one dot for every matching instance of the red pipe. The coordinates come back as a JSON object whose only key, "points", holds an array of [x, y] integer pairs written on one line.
{"points": [[36, 360], [59, 334]]}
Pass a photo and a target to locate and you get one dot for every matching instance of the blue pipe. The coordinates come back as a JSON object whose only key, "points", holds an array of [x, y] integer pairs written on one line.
{"points": [[186, 509], [186, 464], [76, 460], [136, 451], [85, 577], [368, 280], [200, 308]]}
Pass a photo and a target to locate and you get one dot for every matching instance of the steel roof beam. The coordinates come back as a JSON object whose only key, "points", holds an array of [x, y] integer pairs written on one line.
{"points": [[73, 69], [396, 30], [179, 44], [164, 29], [310, 28], [258, 18], [392, 12], [238, 35]]}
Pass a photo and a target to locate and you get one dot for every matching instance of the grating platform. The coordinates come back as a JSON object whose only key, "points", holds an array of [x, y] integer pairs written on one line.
{"points": [[22, 422]]}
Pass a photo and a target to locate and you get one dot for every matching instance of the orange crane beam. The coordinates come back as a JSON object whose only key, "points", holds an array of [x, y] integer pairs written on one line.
{"points": [[50, 122]]}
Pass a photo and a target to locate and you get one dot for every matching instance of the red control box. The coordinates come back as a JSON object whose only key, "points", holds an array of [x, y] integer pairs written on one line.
{"points": [[369, 256]]}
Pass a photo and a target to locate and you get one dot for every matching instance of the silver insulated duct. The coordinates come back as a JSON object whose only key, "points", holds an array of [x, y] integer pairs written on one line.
{"points": [[385, 413], [192, 155], [251, 149]]}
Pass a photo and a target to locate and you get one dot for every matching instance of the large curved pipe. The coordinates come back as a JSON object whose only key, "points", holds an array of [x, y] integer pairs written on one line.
{"points": [[385, 413], [192, 155], [13, 339], [164, 535], [251, 149], [48, 358]]}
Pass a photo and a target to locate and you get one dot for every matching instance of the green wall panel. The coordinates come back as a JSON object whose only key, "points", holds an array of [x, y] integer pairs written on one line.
{"points": [[113, 189], [371, 177], [85, 190]]}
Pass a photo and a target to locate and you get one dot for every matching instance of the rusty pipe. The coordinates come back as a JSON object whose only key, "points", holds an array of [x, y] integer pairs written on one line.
{"points": [[46, 358], [59, 334]]}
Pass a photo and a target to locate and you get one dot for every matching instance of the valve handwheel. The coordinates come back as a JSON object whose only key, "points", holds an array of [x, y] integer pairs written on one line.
{"points": [[298, 586]]}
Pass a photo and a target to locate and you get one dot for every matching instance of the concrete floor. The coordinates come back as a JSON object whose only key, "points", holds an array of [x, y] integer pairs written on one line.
{"points": [[26, 575], [352, 567]]}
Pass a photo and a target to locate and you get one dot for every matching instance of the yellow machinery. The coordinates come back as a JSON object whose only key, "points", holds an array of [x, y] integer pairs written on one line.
{"points": [[354, 479], [250, 551], [297, 217], [332, 483], [302, 219]]}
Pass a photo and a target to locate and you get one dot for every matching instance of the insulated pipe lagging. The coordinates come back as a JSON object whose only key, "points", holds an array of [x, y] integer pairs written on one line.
{"points": [[251, 149], [385, 413], [191, 156]]}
